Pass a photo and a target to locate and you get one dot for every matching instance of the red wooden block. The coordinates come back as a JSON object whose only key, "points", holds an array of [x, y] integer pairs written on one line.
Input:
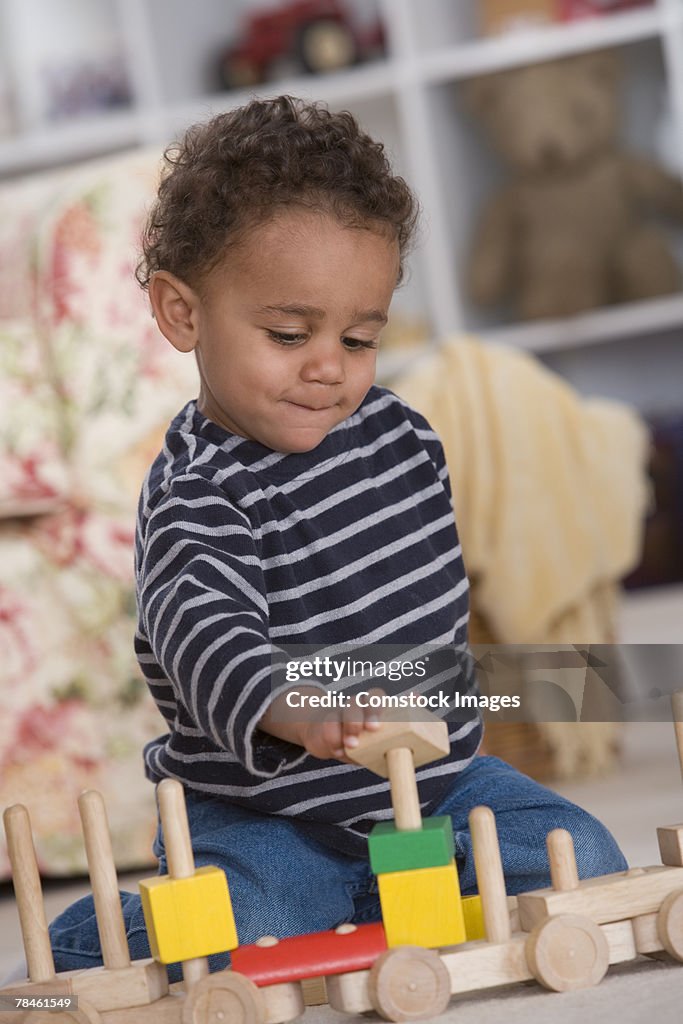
{"points": [[311, 956]]}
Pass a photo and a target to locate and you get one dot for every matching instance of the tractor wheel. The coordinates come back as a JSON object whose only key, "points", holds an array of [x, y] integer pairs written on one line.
{"points": [[239, 72], [325, 45], [409, 983], [567, 952]]}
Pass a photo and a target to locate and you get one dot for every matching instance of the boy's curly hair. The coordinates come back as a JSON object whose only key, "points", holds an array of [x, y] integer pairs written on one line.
{"points": [[236, 170]]}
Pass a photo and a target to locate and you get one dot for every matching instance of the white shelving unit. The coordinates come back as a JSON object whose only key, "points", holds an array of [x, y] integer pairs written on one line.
{"points": [[410, 99]]}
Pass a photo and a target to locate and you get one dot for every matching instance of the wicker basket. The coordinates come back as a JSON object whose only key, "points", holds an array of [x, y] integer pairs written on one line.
{"points": [[552, 750], [521, 744]]}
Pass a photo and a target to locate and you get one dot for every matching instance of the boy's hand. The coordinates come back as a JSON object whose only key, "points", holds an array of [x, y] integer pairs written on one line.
{"points": [[325, 732], [328, 736]]}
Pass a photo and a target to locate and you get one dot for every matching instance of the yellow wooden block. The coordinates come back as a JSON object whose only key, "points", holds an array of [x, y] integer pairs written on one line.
{"points": [[422, 907], [188, 917], [474, 918]]}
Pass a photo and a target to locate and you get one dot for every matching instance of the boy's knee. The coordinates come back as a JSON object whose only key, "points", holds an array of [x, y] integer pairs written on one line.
{"points": [[281, 883], [75, 939], [284, 911], [595, 848]]}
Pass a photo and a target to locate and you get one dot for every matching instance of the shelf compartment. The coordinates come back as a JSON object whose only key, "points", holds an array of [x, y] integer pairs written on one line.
{"points": [[372, 82], [59, 76], [70, 141], [643, 369], [632, 319], [191, 39], [464, 155], [481, 56]]}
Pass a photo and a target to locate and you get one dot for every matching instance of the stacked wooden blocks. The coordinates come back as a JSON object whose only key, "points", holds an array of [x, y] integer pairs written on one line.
{"points": [[414, 860], [418, 883], [188, 913]]}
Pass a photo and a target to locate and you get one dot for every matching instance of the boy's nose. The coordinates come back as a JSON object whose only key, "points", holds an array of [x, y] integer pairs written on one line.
{"points": [[324, 362]]}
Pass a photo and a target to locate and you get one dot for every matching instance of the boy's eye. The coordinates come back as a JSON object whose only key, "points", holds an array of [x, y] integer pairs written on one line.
{"points": [[352, 344], [286, 339]]}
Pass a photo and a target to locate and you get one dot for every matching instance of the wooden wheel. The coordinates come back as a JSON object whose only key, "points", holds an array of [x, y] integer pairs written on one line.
{"points": [[224, 998], [85, 1014], [670, 924], [567, 952], [409, 983]]}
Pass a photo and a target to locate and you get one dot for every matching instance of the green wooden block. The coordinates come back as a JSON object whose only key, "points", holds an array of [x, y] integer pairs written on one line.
{"points": [[429, 847]]}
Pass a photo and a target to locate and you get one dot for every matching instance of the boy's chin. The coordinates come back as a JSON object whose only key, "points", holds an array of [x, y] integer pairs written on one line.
{"points": [[300, 449], [300, 442]]}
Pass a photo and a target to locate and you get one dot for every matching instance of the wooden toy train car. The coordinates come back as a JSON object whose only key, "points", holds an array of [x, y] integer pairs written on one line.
{"points": [[564, 937]]}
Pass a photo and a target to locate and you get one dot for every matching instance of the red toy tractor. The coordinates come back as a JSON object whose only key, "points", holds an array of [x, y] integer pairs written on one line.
{"points": [[315, 35]]}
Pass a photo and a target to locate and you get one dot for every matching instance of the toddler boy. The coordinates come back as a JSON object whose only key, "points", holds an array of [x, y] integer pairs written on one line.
{"points": [[295, 502]]}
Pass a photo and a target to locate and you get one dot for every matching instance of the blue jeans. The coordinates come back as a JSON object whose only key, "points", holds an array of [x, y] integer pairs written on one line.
{"points": [[283, 882]]}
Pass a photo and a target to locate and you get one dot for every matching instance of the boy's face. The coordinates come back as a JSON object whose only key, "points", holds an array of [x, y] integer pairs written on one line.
{"points": [[287, 328]]}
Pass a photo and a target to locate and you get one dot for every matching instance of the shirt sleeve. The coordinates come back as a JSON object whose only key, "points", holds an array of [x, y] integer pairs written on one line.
{"points": [[202, 603], [438, 457], [432, 444]]}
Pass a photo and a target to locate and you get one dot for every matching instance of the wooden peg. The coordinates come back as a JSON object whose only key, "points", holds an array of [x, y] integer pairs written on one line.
{"points": [[177, 841], [29, 894], [180, 858], [563, 870], [404, 796], [393, 752], [489, 871], [677, 708], [119, 983], [103, 880]]}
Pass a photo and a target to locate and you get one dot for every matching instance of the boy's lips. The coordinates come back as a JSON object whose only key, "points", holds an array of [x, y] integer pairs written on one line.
{"points": [[310, 408]]}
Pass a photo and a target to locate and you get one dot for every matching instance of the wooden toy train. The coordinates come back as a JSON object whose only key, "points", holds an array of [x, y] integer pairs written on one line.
{"points": [[430, 945]]}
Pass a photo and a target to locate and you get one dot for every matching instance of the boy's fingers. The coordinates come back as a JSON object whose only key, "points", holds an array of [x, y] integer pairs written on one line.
{"points": [[370, 719], [331, 736], [373, 715], [352, 724], [356, 718], [353, 715]]}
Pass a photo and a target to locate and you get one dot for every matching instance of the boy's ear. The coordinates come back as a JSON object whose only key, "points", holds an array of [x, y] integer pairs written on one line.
{"points": [[176, 309]]}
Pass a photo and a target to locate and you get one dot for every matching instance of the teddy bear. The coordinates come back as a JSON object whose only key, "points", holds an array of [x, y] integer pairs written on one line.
{"points": [[574, 228]]}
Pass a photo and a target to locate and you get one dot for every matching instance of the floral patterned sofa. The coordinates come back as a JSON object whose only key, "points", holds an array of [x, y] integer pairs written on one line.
{"points": [[87, 385]]}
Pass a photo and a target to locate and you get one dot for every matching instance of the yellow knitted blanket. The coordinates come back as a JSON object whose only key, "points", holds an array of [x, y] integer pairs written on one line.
{"points": [[550, 489]]}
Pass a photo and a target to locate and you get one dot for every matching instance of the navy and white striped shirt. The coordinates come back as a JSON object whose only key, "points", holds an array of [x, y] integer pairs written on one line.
{"points": [[240, 549]]}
